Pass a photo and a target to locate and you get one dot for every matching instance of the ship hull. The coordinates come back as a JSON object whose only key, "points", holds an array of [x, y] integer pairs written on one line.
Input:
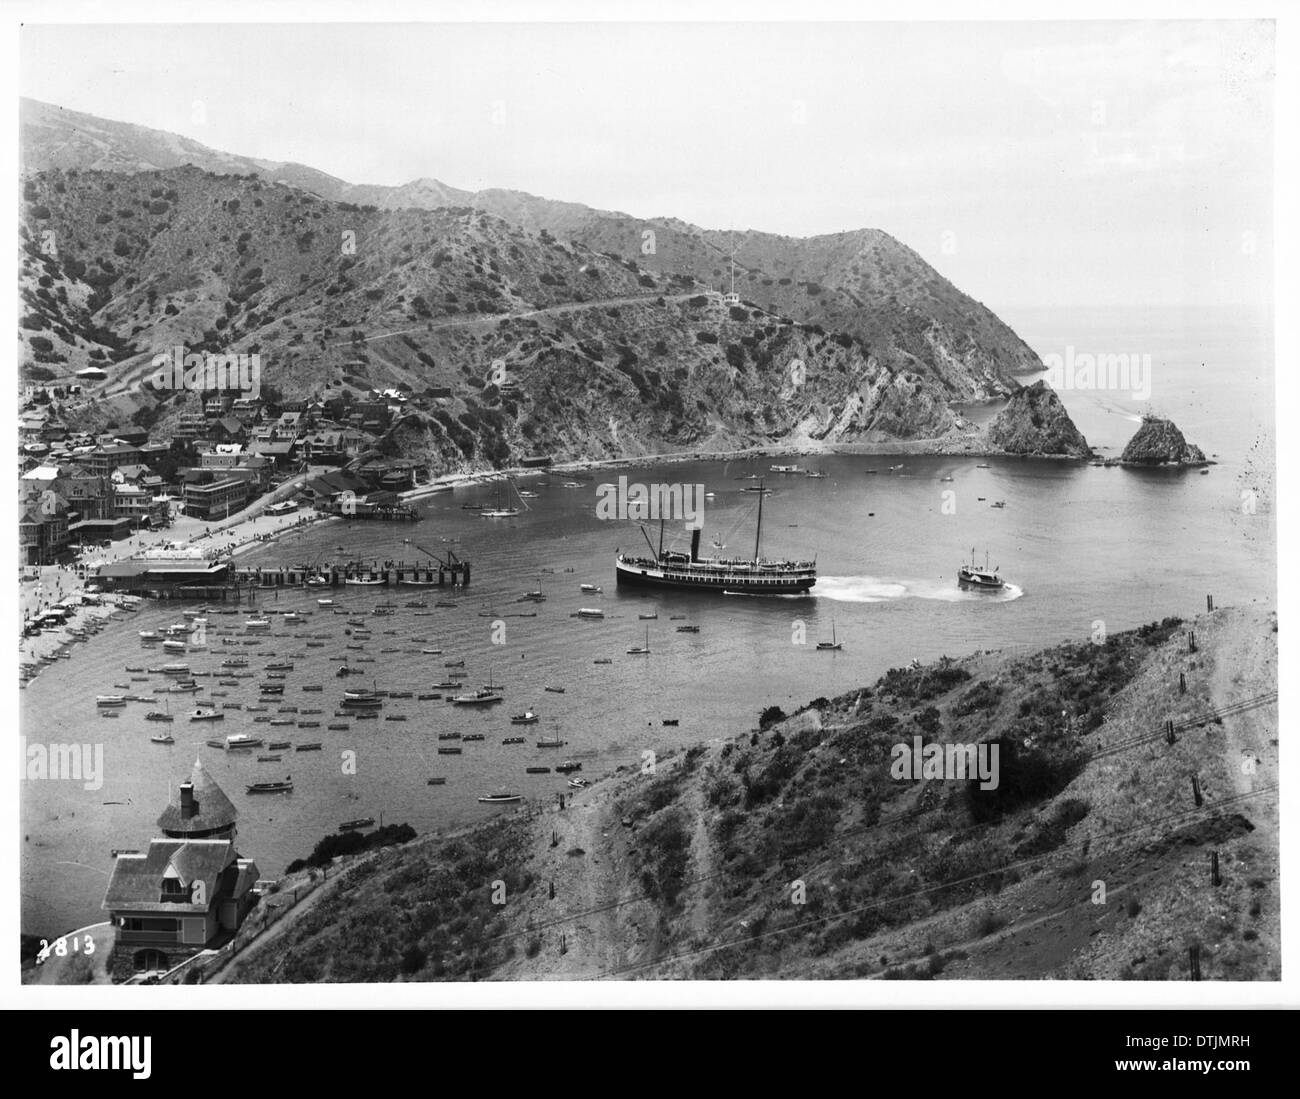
{"points": [[651, 577]]}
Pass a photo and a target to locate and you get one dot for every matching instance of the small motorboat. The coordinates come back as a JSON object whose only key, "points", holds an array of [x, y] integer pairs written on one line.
{"points": [[513, 740], [579, 783], [243, 740], [162, 738], [110, 700], [526, 718], [985, 579], [501, 797], [590, 589], [567, 766], [353, 825], [158, 715], [554, 690], [484, 696]]}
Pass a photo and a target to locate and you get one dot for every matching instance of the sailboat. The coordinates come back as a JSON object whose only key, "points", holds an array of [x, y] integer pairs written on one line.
{"points": [[833, 645], [637, 650], [499, 512]]}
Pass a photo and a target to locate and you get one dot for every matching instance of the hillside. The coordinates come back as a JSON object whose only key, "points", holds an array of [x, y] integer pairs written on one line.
{"points": [[862, 283], [794, 853], [602, 357]]}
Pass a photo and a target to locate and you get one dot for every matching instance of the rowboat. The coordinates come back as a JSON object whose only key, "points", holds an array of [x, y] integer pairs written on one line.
{"points": [[270, 787], [501, 797]]}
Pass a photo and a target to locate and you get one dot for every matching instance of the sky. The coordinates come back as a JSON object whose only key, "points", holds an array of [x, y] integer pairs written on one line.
{"points": [[1043, 164]]}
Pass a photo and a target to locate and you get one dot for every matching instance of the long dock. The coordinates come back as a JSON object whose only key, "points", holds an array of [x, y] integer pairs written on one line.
{"points": [[438, 574], [244, 583]]}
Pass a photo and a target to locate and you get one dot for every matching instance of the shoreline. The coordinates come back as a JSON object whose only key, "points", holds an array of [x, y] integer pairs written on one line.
{"points": [[959, 447]]}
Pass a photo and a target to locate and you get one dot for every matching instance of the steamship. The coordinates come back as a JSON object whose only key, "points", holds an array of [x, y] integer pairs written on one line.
{"points": [[728, 575]]}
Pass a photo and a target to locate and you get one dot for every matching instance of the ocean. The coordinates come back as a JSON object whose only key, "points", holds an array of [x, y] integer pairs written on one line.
{"points": [[1079, 545]]}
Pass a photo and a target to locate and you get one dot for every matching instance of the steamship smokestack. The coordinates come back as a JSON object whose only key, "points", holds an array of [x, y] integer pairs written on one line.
{"points": [[695, 544]]}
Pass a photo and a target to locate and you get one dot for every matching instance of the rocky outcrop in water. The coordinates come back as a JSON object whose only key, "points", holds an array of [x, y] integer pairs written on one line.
{"points": [[1158, 442], [1036, 423]]}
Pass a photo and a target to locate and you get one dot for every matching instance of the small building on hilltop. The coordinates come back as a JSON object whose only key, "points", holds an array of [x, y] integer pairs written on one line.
{"points": [[191, 889]]}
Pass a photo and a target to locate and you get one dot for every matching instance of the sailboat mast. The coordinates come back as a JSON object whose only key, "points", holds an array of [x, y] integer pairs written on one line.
{"points": [[759, 533]]}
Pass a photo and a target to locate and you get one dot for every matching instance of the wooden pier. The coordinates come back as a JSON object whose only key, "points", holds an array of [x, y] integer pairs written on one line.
{"points": [[245, 583], [453, 572]]}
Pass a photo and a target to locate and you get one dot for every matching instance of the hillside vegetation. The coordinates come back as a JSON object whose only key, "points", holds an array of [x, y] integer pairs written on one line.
{"points": [[135, 240], [793, 852]]}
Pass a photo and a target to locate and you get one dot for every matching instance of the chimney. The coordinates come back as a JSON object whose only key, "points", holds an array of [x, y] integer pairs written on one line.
{"points": [[695, 544], [189, 807]]}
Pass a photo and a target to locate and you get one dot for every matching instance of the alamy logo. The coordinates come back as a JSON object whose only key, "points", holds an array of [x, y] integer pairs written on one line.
{"points": [[78, 1051], [175, 369], [918, 760], [1113, 372], [82, 763], [637, 501]]}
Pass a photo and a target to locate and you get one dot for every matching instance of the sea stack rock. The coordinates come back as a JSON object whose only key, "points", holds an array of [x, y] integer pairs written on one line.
{"points": [[1035, 422], [1158, 442]]}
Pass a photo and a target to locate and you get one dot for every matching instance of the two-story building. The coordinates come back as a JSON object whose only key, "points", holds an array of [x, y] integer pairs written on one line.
{"points": [[191, 889]]}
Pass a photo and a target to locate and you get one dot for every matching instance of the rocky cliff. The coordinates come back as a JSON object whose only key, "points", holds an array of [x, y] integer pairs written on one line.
{"points": [[1036, 423], [1159, 442]]}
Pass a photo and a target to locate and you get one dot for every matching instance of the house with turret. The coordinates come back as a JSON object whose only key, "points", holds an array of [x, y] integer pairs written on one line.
{"points": [[190, 890]]}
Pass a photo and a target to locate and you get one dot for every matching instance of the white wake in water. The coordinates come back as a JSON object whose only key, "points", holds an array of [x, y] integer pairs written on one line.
{"points": [[878, 589]]}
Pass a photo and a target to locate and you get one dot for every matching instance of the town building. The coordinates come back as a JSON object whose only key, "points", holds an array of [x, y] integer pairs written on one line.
{"points": [[187, 893]]}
